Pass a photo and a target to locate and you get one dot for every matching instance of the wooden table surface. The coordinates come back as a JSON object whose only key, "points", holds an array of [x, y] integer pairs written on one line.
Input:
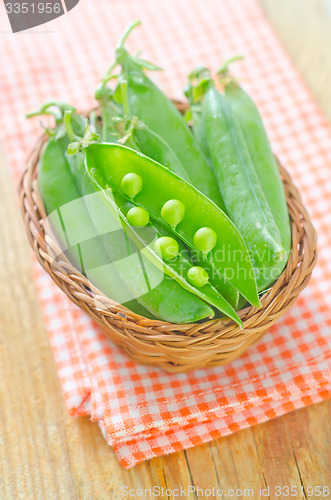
{"points": [[44, 454]]}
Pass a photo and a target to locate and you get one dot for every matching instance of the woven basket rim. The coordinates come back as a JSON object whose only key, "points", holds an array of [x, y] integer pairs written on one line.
{"points": [[141, 337]]}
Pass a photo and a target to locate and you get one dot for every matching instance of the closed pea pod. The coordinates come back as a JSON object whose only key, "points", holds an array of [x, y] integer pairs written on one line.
{"points": [[259, 148], [108, 164], [133, 132], [197, 82], [149, 104], [153, 145], [59, 190], [243, 196], [120, 127]]}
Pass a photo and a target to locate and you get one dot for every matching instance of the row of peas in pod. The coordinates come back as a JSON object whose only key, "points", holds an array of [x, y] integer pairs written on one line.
{"points": [[178, 217]]}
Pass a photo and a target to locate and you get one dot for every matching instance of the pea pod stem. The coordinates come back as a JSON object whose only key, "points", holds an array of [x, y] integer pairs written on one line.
{"points": [[46, 109], [224, 68], [70, 131]]}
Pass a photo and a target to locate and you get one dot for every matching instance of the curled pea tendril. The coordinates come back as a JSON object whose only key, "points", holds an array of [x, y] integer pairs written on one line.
{"points": [[224, 74], [77, 142]]}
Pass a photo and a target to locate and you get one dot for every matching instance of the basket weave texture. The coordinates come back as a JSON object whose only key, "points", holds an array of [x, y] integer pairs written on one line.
{"points": [[173, 347]]}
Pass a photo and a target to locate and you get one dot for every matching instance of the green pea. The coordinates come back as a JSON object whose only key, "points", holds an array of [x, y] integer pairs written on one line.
{"points": [[173, 212], [205, 239], [166, 247], [138, 216], [131, 184], [197, 276]]}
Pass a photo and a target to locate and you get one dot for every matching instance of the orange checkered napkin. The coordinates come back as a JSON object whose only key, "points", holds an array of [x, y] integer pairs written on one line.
{"points": [[144, 412]]}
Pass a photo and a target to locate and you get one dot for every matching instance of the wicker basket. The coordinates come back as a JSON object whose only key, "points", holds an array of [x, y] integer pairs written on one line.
{"points": [[174, 347]]}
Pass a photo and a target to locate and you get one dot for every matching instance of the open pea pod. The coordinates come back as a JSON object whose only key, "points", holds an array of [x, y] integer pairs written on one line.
{"points": [[196, 220], [158, 294], [90, 237], [145, 239], [179, 265]]}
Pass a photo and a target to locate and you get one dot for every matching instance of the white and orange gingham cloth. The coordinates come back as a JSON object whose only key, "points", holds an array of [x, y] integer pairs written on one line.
{"points": [[144, 412]]}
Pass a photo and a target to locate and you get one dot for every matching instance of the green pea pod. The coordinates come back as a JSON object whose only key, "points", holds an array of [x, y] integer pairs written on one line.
{"points": [[244, 198], [140, 138], [175, 268], [50, 178], [58, 190], [265, 163], [198, 81], [151, 106], [153, 145], [181, 263], [152, 186], [152, 289], [117, 127]]}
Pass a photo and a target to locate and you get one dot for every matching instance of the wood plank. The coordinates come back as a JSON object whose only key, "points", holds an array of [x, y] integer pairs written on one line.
{"points": [[304, 28], [238, 465], [277, 457]]}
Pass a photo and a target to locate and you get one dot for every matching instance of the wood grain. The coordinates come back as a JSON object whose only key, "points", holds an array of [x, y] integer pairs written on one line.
{"points": [[304, 28], [44, 454]]}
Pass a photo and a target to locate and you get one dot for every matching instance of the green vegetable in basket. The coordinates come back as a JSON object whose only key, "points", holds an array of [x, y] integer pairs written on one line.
{"points": [[139, 137], [214, 241], [159, 296], [58, 190], [62, 182], [181, 219], [259, 148], [140, 97], [245, 201]]}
